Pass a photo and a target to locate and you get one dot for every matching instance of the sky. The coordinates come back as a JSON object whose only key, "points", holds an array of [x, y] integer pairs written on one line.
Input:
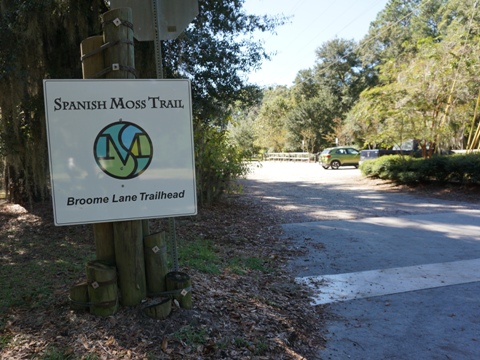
{"points": [[313, 23]]}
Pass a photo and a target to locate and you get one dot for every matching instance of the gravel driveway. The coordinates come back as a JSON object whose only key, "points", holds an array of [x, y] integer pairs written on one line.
{"points": [[420, 249], [304, 192]]}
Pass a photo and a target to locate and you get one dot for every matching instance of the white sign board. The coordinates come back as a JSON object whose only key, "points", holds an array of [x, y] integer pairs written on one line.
{"points": [[173, 17], [120, 149]]}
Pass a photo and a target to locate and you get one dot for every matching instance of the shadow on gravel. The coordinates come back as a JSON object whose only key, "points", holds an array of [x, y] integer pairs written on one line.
{"points": [[304, 201]]}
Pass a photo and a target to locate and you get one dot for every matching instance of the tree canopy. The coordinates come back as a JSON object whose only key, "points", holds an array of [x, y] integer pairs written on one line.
{"points": [[413, 76], [30, 52], [305, 116], [41, 39], [430, 91]]}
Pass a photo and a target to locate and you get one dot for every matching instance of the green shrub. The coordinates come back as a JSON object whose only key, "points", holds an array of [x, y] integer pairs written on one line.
{"points": [[385, 167], [456, 168], [435, 168], [408, 170], [367, 168], [217, 163], [393, 165], [474, 168], [408, 177]]}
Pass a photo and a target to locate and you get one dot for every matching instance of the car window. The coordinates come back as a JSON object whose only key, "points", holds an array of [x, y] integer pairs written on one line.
{"points": [[341, 151], [353, 151]]}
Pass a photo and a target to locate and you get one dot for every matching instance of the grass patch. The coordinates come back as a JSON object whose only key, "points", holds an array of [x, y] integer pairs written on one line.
{"points": [[93, 357], [258, 347], [223, 343], [241, 342], [5, 341], [53, 353], [191, 335], [200, 255], [244, 265], [261, 347]]}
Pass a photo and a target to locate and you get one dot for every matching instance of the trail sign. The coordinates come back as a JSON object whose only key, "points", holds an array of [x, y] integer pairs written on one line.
{"points": [[120, 149], [173, 16]]}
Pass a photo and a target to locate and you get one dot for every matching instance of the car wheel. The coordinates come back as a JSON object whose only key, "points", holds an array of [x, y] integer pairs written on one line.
{"points": [[335, 164], [325, 167], [356, 166]]}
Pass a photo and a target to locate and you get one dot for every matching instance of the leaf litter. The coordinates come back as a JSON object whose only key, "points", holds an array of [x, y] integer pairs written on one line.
{"points": [[250, 314]]}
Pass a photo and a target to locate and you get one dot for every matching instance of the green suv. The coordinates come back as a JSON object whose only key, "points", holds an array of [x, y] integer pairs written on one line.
{"points": [[339, 156]]}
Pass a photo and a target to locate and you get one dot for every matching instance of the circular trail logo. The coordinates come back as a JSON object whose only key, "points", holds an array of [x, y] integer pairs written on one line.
{"points": [[123, 150]]}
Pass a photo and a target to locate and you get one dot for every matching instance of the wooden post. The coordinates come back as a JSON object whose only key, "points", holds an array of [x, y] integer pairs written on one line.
{"points": [[104, 243], [181, 282], [156, 267], [128, 235], [79, 296], [159, 309], [102, 288], [130, 262], [122, 52], [92, 65], [146, 227]]}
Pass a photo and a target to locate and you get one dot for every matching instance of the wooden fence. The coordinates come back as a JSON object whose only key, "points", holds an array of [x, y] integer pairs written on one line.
{"points": [[290, 156]]}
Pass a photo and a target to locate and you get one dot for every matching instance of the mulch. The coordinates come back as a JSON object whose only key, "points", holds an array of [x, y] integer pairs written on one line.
{"points": [[257, 315]]}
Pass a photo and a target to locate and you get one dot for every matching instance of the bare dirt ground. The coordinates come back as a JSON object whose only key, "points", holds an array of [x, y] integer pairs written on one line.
{"points": [[254, 314]]}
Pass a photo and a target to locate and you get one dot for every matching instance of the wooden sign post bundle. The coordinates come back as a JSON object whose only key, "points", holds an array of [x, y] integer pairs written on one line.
{"points": [[130, 263]]}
